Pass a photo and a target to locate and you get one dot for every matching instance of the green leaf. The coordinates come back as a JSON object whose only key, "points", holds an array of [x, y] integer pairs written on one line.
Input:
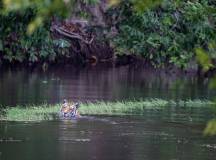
{"points": [[61, 43], [167, 21], [143, 5], [203, 59], [210, 129]]}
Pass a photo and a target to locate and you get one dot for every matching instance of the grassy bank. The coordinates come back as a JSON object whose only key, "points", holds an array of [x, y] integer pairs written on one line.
{"points": [[50, 112]]}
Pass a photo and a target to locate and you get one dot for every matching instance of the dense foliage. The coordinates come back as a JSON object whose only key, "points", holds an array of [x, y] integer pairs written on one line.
{"points": [[25, 30], [16, 45], [168, 33]]}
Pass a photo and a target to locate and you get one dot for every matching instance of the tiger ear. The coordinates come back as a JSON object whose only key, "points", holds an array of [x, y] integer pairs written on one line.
{"points": [[64, 101]]}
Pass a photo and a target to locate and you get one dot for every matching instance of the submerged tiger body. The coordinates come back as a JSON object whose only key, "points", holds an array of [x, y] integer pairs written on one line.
{"points": [[69, 110]]}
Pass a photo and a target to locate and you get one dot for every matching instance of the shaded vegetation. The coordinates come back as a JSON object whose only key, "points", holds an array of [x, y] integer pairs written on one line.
{"points": [[168, 33], [161, 31], [17, 46], [25, 31]]}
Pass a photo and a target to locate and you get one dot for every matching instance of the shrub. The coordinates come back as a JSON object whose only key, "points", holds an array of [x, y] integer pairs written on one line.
{"points": [[168, 33]]}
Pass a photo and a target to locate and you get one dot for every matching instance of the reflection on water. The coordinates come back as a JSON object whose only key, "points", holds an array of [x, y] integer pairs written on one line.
{"points": [[126, 138], [22, 86]]}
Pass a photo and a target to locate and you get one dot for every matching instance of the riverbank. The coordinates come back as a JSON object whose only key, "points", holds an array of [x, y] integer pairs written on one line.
{"points": [[50, 112]]}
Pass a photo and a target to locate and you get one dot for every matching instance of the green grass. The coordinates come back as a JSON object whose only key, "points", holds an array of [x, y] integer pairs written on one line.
{"points": [[121, 107], [31, 113], [50, 112]]}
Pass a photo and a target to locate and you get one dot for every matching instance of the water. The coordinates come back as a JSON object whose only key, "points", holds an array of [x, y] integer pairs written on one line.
{"points": [[22, 86], [106, 138], [175, 133]]}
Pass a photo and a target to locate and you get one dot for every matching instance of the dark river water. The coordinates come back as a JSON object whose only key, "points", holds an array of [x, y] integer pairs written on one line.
{"points": [[106, 138], [175, 133], [22, 86]]}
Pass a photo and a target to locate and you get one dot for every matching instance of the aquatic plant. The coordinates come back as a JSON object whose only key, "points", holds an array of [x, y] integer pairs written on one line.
{"points": [[122, 107], [31, 113], [136, 107]]}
